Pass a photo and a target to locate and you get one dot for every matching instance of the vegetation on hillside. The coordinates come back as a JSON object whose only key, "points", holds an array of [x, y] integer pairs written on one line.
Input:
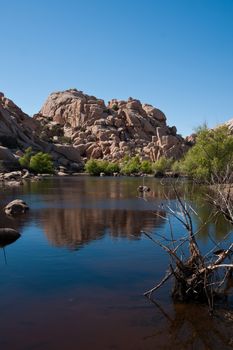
{"points": [[97, 166], [37, 162], [128, 166]]}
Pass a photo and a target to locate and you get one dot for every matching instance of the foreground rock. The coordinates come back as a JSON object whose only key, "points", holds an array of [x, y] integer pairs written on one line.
{"points": [[16, 207], [8, 236]]}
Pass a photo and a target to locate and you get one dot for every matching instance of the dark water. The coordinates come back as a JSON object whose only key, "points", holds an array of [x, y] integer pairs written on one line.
{"points": [[76, 276]]}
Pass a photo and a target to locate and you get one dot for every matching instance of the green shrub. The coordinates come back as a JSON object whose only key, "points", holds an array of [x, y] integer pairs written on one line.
{"points": [[211, 156], [92, 167], [24, 161], [177, 167], [115, 107], [132, 166], [162, 165], [41, 163], [112, 168], [146, 167], [95, 167]]}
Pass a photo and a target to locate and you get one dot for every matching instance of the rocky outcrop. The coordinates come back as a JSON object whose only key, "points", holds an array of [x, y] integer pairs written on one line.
{"points": [[18, 131], [16, 127], [109, 131]]}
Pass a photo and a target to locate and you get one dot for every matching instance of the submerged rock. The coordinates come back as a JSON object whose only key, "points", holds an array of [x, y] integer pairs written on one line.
{"points": [[16, 207]]}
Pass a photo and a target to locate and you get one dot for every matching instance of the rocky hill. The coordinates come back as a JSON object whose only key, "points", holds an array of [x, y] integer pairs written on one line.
{"points": [[73, 127], [111, 131]]}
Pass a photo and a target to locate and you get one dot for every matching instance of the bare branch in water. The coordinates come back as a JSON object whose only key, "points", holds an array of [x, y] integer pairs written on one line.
{"points": [[197, 277]]}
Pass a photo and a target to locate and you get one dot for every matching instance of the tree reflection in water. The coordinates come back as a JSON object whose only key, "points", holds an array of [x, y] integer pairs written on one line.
{"points": [[192, 327]]}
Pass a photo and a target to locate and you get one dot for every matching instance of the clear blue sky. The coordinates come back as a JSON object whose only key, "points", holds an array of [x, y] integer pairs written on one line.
{"points": [[174, 54]]}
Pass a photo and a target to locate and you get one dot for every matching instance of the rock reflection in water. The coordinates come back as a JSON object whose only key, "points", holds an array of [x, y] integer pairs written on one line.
{"points": [[74, 227]]}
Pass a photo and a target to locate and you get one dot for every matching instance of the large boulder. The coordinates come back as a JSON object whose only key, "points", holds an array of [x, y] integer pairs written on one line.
{"points": [[8, 161], [6, 155], [70, 152]]}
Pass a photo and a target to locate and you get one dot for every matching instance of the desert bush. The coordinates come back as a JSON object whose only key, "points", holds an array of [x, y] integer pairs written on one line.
{"points": [[115, 107], [95, 167], [24, 161], [38, 162], [162, 165], [131, 166], [146, 167], [41, 163]]}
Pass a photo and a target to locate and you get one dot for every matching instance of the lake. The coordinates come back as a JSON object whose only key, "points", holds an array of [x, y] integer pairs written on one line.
{"points": [[75, 278]]}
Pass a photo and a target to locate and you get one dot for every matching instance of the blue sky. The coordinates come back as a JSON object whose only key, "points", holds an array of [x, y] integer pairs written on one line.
{"points": [[174, 54]]}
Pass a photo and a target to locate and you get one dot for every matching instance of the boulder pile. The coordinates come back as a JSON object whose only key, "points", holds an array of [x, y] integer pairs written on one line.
{"points": [[111, 131]]}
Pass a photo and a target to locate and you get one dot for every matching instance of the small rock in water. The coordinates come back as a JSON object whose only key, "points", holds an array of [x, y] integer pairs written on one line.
{"points": [[143, 189], [16, 207]]}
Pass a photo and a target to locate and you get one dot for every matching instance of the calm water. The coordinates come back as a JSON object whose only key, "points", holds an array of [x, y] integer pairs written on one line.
{"points": [[76, 276]]}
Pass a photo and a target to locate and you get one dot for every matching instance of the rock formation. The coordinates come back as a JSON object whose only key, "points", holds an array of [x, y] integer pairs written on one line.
{"points": [[108, 131], [73, 127], [19, 131]]}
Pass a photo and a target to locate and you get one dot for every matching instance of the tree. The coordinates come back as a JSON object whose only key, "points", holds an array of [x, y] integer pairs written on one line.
{"points": [[211, 156]]}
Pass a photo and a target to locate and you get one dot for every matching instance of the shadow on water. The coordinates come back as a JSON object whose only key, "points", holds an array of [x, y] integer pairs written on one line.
{"points": [[190, 326]]}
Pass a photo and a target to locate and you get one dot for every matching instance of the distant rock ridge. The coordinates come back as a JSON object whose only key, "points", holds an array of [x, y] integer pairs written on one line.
{"points": [[109, 131]]}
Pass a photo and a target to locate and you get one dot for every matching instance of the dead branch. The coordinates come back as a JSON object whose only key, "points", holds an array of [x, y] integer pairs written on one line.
{"points": [[196, 277], [166, 277]]}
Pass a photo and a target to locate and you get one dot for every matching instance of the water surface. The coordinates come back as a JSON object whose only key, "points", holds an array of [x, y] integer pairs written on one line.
{"points": [[76, 276]]}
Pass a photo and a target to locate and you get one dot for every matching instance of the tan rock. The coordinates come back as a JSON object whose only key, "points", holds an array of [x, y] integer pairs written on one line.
{"points": [[97, 153], [154, 112]]}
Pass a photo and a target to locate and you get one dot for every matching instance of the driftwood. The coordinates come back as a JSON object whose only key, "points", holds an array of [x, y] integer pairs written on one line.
{"points": [[197, 277]]}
